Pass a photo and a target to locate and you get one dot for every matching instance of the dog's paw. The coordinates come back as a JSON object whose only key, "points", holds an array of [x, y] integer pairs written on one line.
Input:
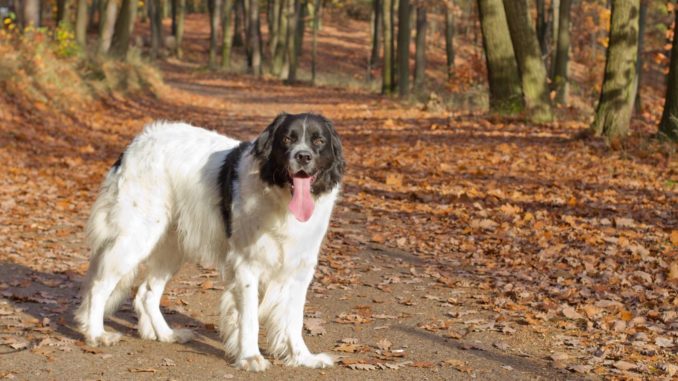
{"points": [[105, 339], [255, 363], [178, 336], [320, 360]]}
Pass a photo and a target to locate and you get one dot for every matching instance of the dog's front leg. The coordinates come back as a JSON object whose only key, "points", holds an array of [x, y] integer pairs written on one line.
{"points": [[247, 300], [285, 319]]}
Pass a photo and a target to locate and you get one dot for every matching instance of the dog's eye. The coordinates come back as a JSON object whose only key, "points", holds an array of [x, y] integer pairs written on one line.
{"points": [[287, 140], [318, 141]]}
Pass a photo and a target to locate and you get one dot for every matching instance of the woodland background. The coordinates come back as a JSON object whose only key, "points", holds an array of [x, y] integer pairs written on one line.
{"points": [[509, 211]]}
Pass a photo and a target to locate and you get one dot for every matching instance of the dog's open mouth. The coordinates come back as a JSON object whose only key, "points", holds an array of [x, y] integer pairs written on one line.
{"points": [[302, 203]]}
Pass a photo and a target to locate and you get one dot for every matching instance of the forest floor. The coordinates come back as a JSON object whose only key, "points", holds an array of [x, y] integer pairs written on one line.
{"points": [[463, 247]]}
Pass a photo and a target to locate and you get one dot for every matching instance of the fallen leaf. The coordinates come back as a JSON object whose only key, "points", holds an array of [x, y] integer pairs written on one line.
{"points": [[314, 326]]}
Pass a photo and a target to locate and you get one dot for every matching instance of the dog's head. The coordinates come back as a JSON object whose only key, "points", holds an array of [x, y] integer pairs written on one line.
{"points": [[300, 151]]}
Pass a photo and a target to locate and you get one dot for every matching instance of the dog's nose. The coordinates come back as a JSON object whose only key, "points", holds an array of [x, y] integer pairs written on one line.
{"points": [[303, 157]]}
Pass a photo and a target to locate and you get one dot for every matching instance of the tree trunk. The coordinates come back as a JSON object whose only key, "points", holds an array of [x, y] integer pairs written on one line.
{"points": [[64, 11], [314, 49], [554, 10], [227, 34], [281, 41], [641, 45], [274, 32], [542, 29], [293, 12], [180, 16], [123, 29], [420, 52], [669, 123], [108, 25], [301, 27], [387, 72], [404, 32], [81, 23], [530, 63], [31, 13], [375, 24], [93, 9], [613, 114], [156, 27], [506, 95], [562, 58], [214, 7], [254, 36], [449, 41], [238, 23]]}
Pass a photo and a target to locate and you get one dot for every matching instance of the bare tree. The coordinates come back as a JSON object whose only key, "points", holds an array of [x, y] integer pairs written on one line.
{"points": [[506, 95], [404, 32], [316, 25], [420, 50], [31, 13], [81, 22], [387, 71], [615, 107], [124, 26], [214, 7], [562, 58], [449, 40], [108, 18], [254, 36], [669, 123], [528, 55]]}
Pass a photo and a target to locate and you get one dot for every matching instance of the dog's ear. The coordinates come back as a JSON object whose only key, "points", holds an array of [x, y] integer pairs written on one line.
{"points": [[264, 143], [338, 164]]}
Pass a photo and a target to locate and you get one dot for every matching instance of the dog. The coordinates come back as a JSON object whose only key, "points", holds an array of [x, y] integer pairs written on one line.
{"points": [[257, 211]]}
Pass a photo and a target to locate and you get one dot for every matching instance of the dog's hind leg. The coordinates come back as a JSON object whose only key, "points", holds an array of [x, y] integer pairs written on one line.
{"points": [[162, 265], [112, 271]]}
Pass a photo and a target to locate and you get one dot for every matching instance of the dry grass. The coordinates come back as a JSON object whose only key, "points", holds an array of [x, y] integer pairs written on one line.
{"points": [[33, 71]]}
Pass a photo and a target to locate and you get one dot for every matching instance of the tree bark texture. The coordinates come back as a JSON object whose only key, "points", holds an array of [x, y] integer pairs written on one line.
{"points": [[420, 50], [377, 15], [278, 60], [506, 95], [293, 13], [530, 64], [81, 22], [404, 32], [107, 26], [562, 58], [64, 11], [669, 123], [314, 48], [180, 17], [255, 38], [387, 72], [449, 41], [615, 106], [123, 28], [214, 7], [156, 27], [227, 33], [641, 45], [31, 13]]}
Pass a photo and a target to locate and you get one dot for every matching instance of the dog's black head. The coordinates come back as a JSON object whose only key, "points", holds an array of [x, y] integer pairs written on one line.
{"points": [[302, 146]]}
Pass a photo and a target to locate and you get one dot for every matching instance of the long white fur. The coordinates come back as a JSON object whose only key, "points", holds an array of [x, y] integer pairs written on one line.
{"points": [[161, 208]]}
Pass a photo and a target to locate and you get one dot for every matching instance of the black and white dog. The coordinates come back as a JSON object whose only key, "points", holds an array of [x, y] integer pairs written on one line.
{"points": [[258, 211]]}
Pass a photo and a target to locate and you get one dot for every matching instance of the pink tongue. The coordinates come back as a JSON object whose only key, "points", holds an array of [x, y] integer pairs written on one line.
{"points": [[302, 202]]}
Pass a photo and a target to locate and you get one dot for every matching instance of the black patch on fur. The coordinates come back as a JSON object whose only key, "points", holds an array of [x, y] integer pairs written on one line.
{"points": [[118, 162], [273, 155], [228, 174]]}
